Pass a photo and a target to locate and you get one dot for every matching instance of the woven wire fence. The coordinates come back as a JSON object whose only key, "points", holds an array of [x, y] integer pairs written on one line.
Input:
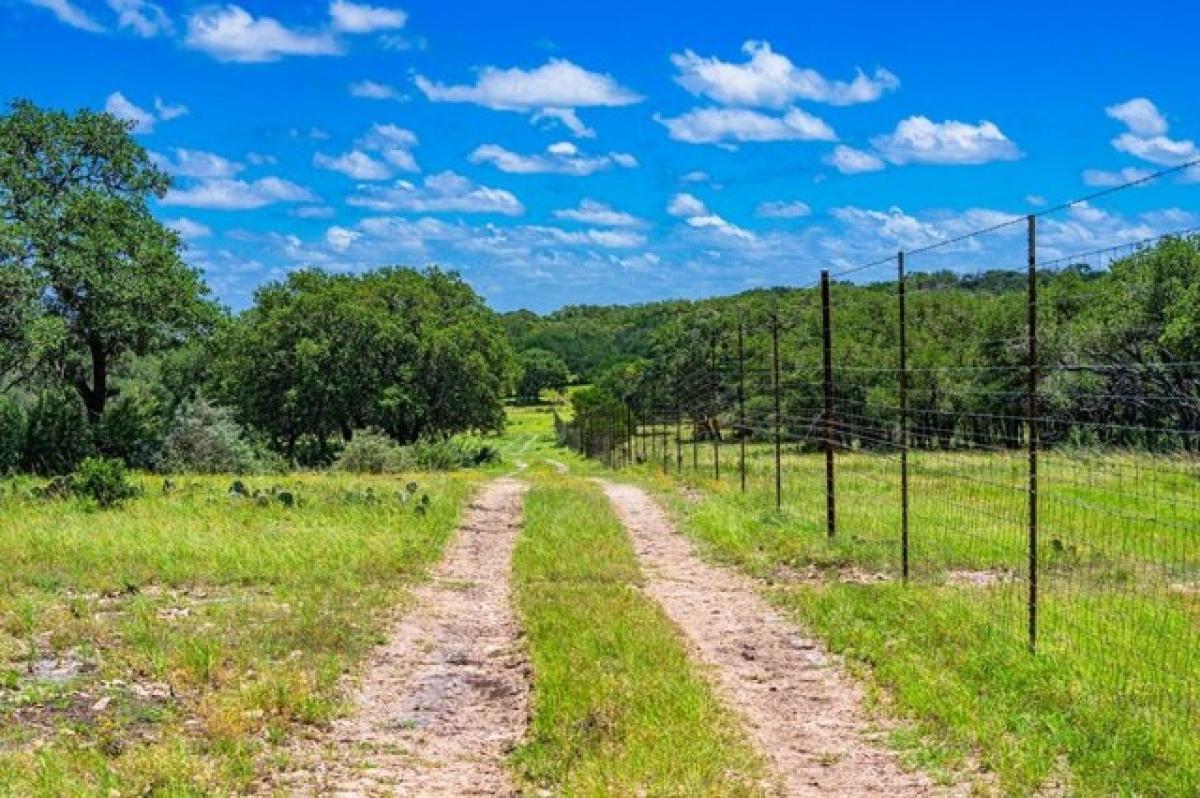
{"points": [[1026, 435]]}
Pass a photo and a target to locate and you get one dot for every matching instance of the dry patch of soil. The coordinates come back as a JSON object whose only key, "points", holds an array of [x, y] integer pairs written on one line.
{"points": [[803, 714], [446, 699]]}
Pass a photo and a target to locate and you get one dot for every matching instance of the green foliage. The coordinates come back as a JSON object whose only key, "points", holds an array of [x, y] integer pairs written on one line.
{"points": [[12, 434], [132, 428], [89, 273], [57, 436], [204, 439], [318, 356], [104, 480], [371, 451], [449, 454], [540, 370]]}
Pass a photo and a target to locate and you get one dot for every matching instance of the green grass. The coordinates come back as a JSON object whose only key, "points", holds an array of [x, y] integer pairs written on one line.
{"points": [[194, 632], [1111, 702], [618, 707]]}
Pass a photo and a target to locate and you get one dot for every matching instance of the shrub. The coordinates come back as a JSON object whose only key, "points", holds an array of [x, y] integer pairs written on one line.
{"points": [[132, 428], [204, 439], [448, 454], [12, 435], [370, 451], [57, 436], [104, 480]]}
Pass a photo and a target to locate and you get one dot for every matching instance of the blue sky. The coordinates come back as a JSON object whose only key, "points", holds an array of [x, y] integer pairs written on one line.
{"points": [[559, 153]]}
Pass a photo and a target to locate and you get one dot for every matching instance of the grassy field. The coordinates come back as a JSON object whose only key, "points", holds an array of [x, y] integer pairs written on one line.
{"points": [[1107, 706], [166, 647], [618, 707]]}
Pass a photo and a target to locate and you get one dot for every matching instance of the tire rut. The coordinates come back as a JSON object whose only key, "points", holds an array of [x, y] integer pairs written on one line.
{"points": [[445, 700]]}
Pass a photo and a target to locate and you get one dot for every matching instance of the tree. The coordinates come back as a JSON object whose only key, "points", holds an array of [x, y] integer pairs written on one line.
{"points": [[319, 356], [540, 370], [86, 272]]}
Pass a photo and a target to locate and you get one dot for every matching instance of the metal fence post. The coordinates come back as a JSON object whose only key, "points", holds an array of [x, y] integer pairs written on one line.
{"points": [[777, 418], [741, 400], [827, 351], [901, 279], [678, 427], [714, 424], [1033, 433]]}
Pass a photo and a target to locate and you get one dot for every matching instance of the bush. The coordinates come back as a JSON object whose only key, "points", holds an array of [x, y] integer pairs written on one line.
{"points": [[57, 436], [370, 451], [132, 429], [204, 439], [448, 454], [104, 480], [12, 435]]}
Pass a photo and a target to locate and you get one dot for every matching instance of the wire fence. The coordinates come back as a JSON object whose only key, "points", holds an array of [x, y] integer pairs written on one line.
{"points": [[1025, 439]]}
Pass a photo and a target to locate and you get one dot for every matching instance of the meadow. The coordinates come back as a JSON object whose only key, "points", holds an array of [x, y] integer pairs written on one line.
{"points": [[1108, 704], [172, 645]]}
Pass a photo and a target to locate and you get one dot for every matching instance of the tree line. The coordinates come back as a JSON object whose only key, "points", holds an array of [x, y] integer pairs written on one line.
{"points": [[111, 344]]}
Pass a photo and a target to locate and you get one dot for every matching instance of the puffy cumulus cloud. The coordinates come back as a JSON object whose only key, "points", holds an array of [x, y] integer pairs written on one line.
{"points": [[145, 19], [196, 163], [1141, 116], [118, 105], [1159, 150], [394, 144], [793, 209], [770, 80], [230, 33], [591, 211], [560, 158], [341, 239], [736, 125], [918, 139], [851, 161], [70, 14], [370, 90], [696, 214], [238, 195], [166, 112], [553, 91], [188, 229], [356, 164], [440, 193], [358, 18]]}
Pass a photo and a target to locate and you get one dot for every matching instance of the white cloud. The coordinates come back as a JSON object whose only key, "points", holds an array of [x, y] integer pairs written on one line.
{"points": [[695, 176], [229, 33], [120, 107], [261, 159], [313, 212], [1157, 149], [683, 205], [1140, 115], [724, 125], [196, 163], [920, 140], [356, 164], [770, 80], [394, 143], [560, 158], [226, 194], [794, 209], [357, 18], [591, 211], [552, 91], [443, 192], [370, 90], [609, 239], [696, 215], [1102, 178], [69, 14], [340, 239], [850, 161], [166, 112], [188, 229], [143, 18]]}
